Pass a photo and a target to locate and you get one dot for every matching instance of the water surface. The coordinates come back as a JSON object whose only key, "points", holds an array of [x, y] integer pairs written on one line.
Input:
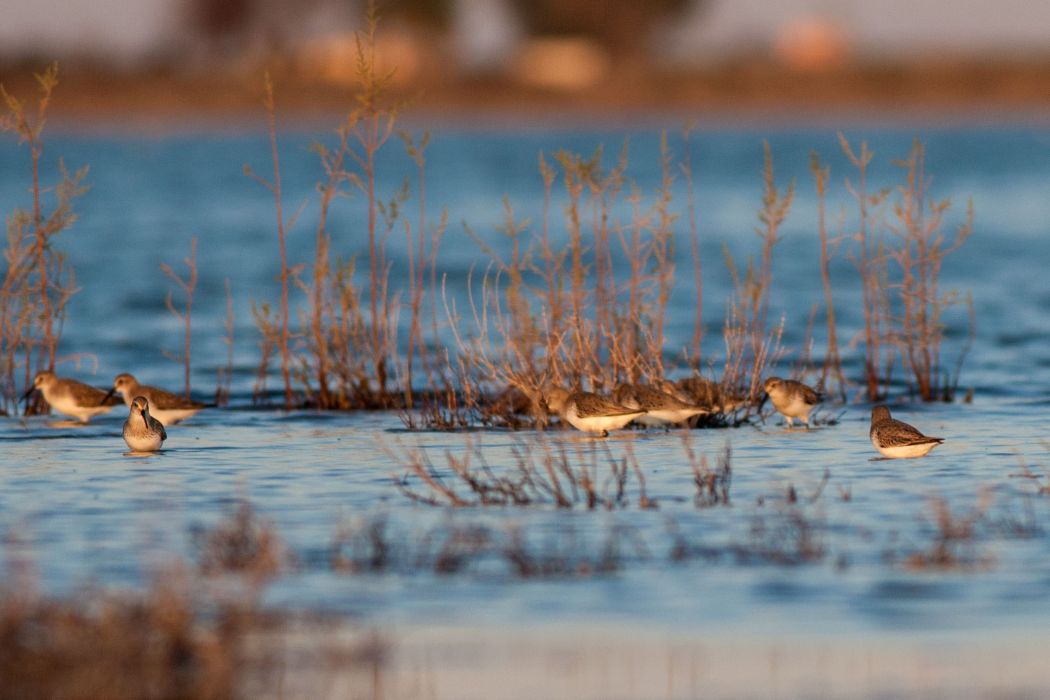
{"points": [[88, 512]]}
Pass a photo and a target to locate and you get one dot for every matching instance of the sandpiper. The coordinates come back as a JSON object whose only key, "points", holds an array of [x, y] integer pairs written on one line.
{"points": [[166, 407], [661, 408], [70, 397], [143, 432], [589, 412], [896, 439], [792, 399], [698, 391]]}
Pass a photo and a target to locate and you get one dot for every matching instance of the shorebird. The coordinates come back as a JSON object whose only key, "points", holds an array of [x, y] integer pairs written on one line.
{"points": [[792, 399], [698, 391], [589, 412], [896, 439], [166, 407], [143, 432], [70, 397], [660, 408]]}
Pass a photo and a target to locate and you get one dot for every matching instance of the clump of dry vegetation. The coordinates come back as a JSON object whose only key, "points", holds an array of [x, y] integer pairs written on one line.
{"points": [[561, 315], [919, 254], [545, 474], [580, 299], [904, 307], [788, 535], [241, 543], [370, 545], [1039, 477], [712, 485], [119, 645], [347, 352], [577, 299], [173, 641], [542, 474], [37, 282], [953, 543]]}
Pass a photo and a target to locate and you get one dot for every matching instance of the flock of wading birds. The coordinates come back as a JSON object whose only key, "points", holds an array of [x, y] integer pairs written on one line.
{"points": [[670, 403]]}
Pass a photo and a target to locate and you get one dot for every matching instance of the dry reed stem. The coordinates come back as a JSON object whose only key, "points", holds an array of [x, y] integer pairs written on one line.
{"points": [[225, 374], [751, 346], [279, 327], [694, 248], [187, 285], [870, 261], [831, 371]]}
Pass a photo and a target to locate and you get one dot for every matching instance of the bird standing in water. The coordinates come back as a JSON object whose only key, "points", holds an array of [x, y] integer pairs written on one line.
{"points": [[589, 412], [143, 432], [167, 407], [792, 399], [896, 439], [70, 397]]}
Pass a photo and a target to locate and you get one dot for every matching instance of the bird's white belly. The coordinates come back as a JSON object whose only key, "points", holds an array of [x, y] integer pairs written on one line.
{"points": [[171, 416], [667, 416], [904, 451], [795, 407], [149, 442], [598, 424], [67, 405]]}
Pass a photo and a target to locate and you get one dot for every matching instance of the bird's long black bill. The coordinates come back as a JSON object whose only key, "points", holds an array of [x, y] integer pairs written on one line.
{"points": [[107, 397]]}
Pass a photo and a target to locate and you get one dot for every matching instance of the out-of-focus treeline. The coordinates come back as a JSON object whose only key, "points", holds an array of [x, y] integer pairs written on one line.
{"points": [[177, 55]]}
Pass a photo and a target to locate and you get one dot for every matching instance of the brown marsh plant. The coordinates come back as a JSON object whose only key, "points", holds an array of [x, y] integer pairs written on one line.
{"points": [[578, 300], [553, 314], [903, 309], [225, 374], [541, 474], [37, 282], [178, 639], [188, 286], [370, 545], [831, 371], [351, 356], [751, 345], [787, 536], [686, 168], [242, 543], [712, 485], [919, 253], [276, 331], [117, 646], [954, 544], [870, 259]]}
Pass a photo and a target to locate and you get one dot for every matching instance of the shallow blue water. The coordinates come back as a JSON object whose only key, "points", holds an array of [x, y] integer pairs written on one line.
{"points": [[86, 512]]}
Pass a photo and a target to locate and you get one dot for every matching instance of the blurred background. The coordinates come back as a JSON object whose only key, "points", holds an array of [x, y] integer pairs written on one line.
{"points": [[189, 56]]}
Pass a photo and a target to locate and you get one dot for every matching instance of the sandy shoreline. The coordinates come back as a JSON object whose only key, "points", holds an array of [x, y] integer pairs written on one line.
{"points": [[612, 661]]}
